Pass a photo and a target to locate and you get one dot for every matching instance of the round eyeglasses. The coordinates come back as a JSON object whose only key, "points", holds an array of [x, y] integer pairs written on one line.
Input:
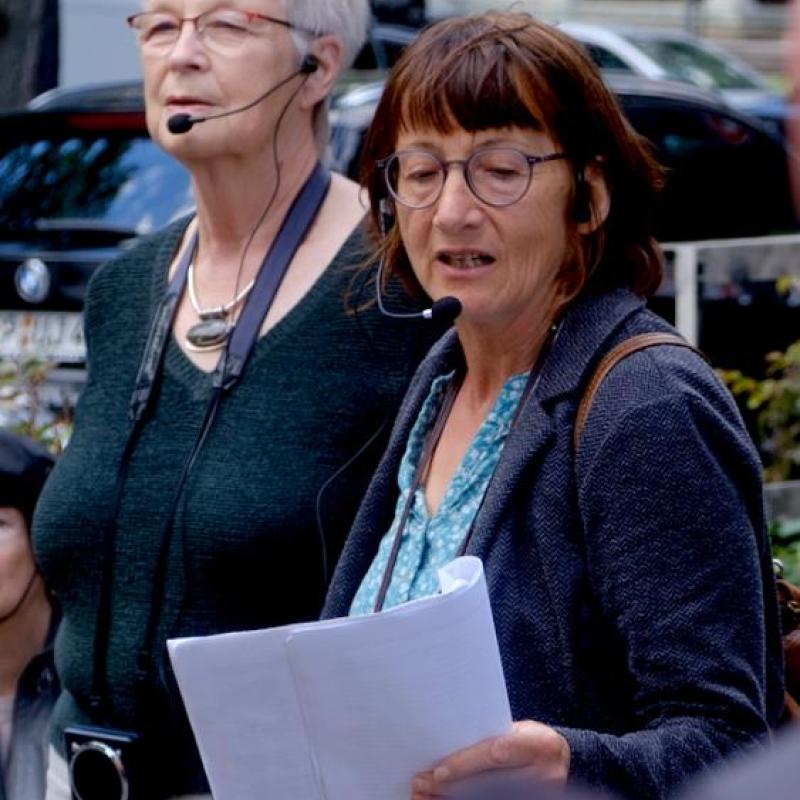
{"points": [[497, 176], [222, 29]]}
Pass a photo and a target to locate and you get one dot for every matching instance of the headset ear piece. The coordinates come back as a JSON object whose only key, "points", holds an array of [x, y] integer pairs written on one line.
{"points": [[582, 206], [309, 64], [385, 215]]}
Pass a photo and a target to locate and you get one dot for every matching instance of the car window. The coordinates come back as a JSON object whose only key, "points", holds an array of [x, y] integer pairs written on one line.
{"points": [[382, 49], [724, 176], [605, 59], [393, 50], [686, 61], [118, 178], [367, 58]]}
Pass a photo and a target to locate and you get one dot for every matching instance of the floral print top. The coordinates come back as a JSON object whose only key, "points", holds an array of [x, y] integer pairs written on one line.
{"points": [[430, 542]]}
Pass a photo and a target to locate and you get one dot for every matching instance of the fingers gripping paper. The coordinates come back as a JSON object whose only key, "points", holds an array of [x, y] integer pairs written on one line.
{"points": [[351, 708]]}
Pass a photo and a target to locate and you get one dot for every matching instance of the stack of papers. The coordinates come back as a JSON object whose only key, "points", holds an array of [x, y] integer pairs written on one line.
{"points": [[351, 708]]}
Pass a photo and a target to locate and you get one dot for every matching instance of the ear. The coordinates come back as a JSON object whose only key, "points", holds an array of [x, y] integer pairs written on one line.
{"points": [[597, 195], [327, 51]]}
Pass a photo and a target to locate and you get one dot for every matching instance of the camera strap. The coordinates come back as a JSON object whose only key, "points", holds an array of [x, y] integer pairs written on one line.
{"points": [[233, 359]]}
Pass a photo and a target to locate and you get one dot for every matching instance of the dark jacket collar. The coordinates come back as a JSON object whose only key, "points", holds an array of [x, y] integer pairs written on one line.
{"points": [[589, 328], [586, 332]]}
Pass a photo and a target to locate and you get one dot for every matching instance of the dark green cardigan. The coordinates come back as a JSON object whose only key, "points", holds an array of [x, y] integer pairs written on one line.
{"points": [[247, 546]]}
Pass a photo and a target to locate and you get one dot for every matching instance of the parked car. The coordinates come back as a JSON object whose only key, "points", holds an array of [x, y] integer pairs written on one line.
{"points": [[384, 45], [727, 174], [676, 56], [79, 180], [727, 178]]}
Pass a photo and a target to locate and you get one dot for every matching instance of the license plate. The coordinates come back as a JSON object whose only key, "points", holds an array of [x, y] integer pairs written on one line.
{"points": [[49, 335]]}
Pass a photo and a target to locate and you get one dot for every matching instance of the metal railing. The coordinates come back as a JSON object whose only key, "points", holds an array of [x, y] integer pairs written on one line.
{"points": [[719, 262]]}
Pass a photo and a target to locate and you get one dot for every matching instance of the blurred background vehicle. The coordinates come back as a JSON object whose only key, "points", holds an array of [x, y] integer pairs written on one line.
{"points": [[726, 172], [79, 180], [385, 44], [676, 56], [726, 178]]}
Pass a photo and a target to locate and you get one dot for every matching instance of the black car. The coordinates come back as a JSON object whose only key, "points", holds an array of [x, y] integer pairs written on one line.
{"points": [[79, 180], [727, 174], [727, 177]]}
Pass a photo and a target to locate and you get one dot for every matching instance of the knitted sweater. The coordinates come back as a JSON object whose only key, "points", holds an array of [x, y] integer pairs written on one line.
{"points": [[246, 548]]}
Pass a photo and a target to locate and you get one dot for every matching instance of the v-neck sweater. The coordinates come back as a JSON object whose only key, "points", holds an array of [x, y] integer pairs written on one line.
{"points": [[294, 442]]}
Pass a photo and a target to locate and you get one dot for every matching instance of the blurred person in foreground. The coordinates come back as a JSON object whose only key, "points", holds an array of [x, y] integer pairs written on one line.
{"points": [[28, 684], [208, 488], [629, 572]]}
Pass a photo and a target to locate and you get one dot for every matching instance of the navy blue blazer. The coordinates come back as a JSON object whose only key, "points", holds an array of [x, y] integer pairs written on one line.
{"points": [[631, 584]]}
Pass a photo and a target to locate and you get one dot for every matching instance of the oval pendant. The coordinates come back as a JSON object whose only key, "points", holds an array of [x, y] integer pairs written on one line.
{"points": [[208, 334]]}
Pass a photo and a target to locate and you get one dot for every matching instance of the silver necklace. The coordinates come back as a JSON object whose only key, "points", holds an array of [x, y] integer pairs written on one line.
{"points": [[214, 327]]}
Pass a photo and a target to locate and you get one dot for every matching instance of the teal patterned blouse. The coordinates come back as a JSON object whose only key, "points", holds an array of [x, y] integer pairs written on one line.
{"points": [[430, 542]]}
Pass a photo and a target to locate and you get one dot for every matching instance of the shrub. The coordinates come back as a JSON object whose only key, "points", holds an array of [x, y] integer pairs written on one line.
{"points": [[29, 405]]}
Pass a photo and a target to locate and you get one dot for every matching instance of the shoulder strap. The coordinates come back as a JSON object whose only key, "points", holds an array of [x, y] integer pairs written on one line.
{"points": [[610, 360]]}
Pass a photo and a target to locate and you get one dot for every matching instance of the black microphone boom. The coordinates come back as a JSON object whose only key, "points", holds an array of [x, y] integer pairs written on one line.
{"points": [[183, 123], [445, 309]]}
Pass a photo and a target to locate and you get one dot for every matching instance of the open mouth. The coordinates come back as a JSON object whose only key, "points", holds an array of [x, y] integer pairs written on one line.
{"points": [[465, 260]]}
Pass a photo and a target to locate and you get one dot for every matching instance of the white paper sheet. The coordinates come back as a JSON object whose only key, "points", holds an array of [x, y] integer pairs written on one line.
{"points": [[346, 709]]}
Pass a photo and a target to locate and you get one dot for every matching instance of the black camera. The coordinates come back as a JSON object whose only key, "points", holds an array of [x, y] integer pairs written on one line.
{"points": [[103, 763]]}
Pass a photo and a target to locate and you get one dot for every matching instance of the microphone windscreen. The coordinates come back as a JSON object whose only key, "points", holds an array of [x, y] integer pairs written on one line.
{"points": [[179, 123], [308, 65], [446, 309]]}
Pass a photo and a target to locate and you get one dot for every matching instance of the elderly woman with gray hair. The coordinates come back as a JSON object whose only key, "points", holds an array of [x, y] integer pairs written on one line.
{"points": [[234, 409]]}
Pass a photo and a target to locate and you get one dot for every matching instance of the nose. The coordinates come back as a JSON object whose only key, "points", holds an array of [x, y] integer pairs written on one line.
{"points": [[457, 206], [188, 50]]}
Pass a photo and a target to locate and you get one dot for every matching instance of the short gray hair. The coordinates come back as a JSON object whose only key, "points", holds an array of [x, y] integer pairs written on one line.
{"points": [[346, 19]]}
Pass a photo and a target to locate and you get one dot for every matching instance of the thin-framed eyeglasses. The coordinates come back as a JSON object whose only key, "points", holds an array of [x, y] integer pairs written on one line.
{"points": [[221, 29], [497, 176]]}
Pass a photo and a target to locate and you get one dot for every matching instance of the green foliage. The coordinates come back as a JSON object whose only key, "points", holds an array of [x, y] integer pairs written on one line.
{"points": [[775, 400], [786, 547], [24, 407]]}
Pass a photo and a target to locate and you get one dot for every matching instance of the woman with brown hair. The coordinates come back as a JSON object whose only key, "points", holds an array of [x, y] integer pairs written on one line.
{"points": [[624, 546]]}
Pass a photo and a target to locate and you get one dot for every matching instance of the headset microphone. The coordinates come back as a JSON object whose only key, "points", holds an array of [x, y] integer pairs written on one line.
{"points": [[445, 309], [183, 123]]}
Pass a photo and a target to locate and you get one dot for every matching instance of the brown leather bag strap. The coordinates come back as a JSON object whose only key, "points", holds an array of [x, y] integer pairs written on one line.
{"points": [[610, 360]]}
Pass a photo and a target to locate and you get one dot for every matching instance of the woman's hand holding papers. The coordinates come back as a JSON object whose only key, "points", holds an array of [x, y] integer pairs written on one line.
{"points": [[531, 750]]}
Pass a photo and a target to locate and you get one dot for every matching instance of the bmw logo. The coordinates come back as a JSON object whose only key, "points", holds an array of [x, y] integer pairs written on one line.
{"points": [[32, 280]]}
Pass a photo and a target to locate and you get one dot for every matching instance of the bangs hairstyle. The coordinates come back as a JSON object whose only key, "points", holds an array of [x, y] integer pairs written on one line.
{"points": [[506, 69]]}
